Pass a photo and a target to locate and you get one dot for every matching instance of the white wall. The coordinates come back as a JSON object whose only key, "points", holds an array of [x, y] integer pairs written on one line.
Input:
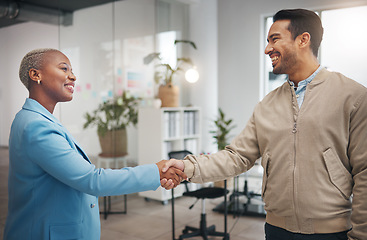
{"points": [[204, 93], [241, 49], [15, 42]]}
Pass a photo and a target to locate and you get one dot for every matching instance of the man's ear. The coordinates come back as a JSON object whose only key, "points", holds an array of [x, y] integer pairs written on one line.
{"points": [[34, 74], [304, 40]]}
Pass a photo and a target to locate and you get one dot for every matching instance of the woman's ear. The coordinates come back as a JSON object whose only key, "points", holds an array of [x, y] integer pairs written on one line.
{"points": [[34, 75]]}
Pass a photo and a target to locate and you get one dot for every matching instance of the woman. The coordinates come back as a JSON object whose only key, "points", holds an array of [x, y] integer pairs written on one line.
{"points": [[53, 187]]}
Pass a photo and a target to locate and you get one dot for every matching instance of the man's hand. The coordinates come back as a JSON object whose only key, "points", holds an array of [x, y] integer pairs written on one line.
{"points": [[170, 176], [173, 163]]}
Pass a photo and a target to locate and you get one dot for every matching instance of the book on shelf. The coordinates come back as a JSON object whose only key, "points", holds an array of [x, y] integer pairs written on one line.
{"points": [[172, 124], [191, 121]]}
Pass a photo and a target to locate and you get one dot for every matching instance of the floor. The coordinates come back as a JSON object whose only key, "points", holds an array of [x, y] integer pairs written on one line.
{"points": [[147, 220]]}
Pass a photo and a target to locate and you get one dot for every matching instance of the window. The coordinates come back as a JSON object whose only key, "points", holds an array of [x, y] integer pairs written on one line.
{"points": [[344, 45]]}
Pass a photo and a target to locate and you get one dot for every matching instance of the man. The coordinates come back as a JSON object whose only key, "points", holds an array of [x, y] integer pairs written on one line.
{"points": [[311, 134]]}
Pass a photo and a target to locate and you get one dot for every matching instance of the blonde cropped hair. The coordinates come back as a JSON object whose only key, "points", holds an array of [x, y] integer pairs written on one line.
{"points": [[33, 59]]}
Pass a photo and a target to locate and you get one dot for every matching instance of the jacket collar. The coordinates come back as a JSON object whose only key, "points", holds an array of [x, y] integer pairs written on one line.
{"points": [[320, 77], [33, 105], [309, 79]]}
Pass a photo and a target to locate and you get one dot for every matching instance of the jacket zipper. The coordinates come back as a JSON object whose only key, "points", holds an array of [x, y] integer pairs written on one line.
{"points": [[294, 131]]}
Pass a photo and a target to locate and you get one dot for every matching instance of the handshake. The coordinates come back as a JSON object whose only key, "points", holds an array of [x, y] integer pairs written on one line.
{"points": [[171, 173]]}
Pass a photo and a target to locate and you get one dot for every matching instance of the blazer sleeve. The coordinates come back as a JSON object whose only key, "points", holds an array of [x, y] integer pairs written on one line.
{"points": [[46, 145]]}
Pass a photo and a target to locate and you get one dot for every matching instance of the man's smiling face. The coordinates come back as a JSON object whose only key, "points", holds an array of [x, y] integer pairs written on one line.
{"points": [[281, 48]]}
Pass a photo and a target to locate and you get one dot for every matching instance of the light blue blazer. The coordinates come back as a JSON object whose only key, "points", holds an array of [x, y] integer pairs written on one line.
{"points": [[53, 187]]}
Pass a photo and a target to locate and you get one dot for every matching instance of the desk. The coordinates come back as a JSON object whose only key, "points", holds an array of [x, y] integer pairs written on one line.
{"points": [[106, 160]]}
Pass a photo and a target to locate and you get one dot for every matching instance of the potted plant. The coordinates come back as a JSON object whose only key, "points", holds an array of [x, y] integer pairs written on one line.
{"points": [[111, 118], [167, 92], [223, 127], [221, 134]]}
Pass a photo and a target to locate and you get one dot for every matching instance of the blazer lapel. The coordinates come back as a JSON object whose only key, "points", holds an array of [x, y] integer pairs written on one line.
{"points": [[33, 105]]}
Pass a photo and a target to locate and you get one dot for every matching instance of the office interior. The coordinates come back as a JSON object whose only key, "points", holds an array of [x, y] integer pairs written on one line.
{"points": [[106, 44]]}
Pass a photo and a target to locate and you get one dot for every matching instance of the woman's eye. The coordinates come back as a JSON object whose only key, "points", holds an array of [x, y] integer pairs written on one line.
{"points": [[64, 69]]}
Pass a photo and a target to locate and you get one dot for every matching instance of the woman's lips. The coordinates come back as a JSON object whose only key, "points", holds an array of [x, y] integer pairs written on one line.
{"points": [[70, 87]]}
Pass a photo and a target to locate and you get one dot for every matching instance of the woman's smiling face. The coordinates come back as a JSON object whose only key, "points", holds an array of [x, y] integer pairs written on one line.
{"points": [[57, 78]]}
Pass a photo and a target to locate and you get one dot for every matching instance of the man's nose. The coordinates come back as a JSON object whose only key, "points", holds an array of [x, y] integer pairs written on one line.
{"points": [[268, 49]]}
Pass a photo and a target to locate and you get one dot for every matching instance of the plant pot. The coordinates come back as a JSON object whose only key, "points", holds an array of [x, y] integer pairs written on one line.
{"points": [[113, 143], [169, 95]]}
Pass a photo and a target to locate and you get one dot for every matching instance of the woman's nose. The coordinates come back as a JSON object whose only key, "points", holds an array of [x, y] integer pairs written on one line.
{"points": [[72, 76]]}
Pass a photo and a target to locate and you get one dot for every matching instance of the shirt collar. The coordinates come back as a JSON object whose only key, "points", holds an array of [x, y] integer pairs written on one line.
{"points": [[307, 80]]}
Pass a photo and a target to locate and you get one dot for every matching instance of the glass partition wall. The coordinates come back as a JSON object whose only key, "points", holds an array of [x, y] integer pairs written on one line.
{"points": [[106, 45]]}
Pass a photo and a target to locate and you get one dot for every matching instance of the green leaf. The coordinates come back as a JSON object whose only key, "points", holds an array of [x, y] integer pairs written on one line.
{"points": [[223, 127], [113, 114]]}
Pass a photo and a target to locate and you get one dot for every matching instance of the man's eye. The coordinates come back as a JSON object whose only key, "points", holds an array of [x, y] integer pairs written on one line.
{"points": [[64, 69]]}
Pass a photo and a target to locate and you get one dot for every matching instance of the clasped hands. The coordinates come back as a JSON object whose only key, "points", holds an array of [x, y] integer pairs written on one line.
{"points": [[171, 173]]}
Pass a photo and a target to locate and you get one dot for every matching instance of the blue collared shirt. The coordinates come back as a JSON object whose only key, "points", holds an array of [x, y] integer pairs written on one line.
{"points": [[301, 89]]}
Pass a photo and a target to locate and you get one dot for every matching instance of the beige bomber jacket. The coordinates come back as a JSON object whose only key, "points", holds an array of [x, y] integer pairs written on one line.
{"points": [[314, 158]]}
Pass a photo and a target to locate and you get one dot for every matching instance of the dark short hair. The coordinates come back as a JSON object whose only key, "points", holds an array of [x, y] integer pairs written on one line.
{"points": [[302, 20]]}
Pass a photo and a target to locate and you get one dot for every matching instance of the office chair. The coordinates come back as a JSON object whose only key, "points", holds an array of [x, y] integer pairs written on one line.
{"points": [[203, 193]]}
